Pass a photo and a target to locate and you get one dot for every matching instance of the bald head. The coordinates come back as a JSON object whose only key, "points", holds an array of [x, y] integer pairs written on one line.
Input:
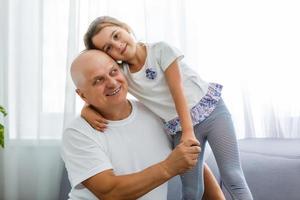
{"points": [[100, 83], [86, 61]]}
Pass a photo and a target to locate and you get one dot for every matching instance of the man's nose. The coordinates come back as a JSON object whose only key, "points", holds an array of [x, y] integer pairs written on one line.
{"points": [[111, 82]]}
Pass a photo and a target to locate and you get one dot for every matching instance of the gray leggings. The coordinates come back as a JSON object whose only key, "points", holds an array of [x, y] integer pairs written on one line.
{"points": [[218, 130]]}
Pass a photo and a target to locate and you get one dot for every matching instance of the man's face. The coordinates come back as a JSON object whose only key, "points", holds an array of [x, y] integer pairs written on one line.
{"points": [[104, 86]]}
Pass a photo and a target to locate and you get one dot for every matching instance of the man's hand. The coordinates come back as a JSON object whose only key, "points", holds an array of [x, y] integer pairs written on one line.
{"points": [[184, 157]]}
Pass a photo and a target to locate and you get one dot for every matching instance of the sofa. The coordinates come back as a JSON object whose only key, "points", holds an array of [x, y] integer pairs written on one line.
{"points": [[271, 168]]}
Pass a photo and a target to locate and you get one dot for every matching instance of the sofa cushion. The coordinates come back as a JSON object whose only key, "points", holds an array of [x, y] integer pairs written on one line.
{"points": [[271, 168]]}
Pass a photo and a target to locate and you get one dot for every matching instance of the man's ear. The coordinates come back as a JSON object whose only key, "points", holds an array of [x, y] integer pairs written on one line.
{"points": [[78, 91]]}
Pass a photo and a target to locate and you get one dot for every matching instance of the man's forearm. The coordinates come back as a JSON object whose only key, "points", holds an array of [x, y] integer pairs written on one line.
{"points": [[134, 185], [108, 186]]}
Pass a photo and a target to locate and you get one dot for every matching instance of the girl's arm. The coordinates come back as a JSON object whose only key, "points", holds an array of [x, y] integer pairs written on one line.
{"points": [[174, 81], [94, 118]]}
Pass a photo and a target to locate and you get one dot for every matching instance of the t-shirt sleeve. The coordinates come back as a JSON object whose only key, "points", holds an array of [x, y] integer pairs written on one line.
{"points": [[83, 156], [167, 54]]}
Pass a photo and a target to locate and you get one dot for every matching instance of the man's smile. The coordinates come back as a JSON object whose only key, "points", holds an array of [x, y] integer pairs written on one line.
{"points": [[114, 92]]}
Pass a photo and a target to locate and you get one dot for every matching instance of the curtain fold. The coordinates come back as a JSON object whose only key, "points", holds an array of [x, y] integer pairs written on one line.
{"points": [[72, 51]]}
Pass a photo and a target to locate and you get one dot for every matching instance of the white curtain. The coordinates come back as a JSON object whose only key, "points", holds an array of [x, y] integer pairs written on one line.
{"points": [[34, 68], [251, 47]]}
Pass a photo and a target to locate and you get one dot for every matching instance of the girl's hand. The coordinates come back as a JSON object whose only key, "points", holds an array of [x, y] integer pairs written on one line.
{"points": [[94, 118], [187, 137]]}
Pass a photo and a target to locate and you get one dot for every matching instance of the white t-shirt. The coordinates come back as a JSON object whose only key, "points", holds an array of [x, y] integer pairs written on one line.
{"points": [[127, 146], [149, 84]]}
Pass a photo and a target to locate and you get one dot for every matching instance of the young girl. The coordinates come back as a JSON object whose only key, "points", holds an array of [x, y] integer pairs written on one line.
{"points": [[190, 108]]}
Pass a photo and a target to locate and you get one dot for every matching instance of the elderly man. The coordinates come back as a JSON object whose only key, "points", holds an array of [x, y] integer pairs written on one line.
{"points": [[133, 158]]}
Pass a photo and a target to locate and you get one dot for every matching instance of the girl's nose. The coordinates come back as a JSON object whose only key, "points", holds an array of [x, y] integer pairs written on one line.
{"points": [[119, 45]]}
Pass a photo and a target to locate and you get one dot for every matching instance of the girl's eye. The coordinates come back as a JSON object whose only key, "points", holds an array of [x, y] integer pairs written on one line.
{"points": [[108, 48], [116, 36]]}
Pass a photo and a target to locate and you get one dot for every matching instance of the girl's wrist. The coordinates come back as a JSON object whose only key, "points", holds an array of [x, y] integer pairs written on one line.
{"points": [[188, 134], [188, 129]]}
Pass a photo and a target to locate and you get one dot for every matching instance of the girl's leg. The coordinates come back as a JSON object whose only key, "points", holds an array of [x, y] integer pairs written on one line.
{"points": [[192, 180], [222, 139], [212, 190]]}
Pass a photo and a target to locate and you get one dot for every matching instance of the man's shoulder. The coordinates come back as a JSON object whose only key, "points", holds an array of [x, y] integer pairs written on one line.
{"points": [[78, 124], [78, 121]]}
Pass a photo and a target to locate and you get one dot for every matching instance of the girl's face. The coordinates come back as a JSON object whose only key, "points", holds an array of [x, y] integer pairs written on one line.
{"points": [[116, 42]]}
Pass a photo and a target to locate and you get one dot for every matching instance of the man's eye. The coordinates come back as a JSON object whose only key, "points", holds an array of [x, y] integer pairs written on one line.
{"points": [[98, 81], [114, 72]]}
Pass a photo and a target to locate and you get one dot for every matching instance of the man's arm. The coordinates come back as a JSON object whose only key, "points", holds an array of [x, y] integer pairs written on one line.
{"points": [[106, 185]]}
